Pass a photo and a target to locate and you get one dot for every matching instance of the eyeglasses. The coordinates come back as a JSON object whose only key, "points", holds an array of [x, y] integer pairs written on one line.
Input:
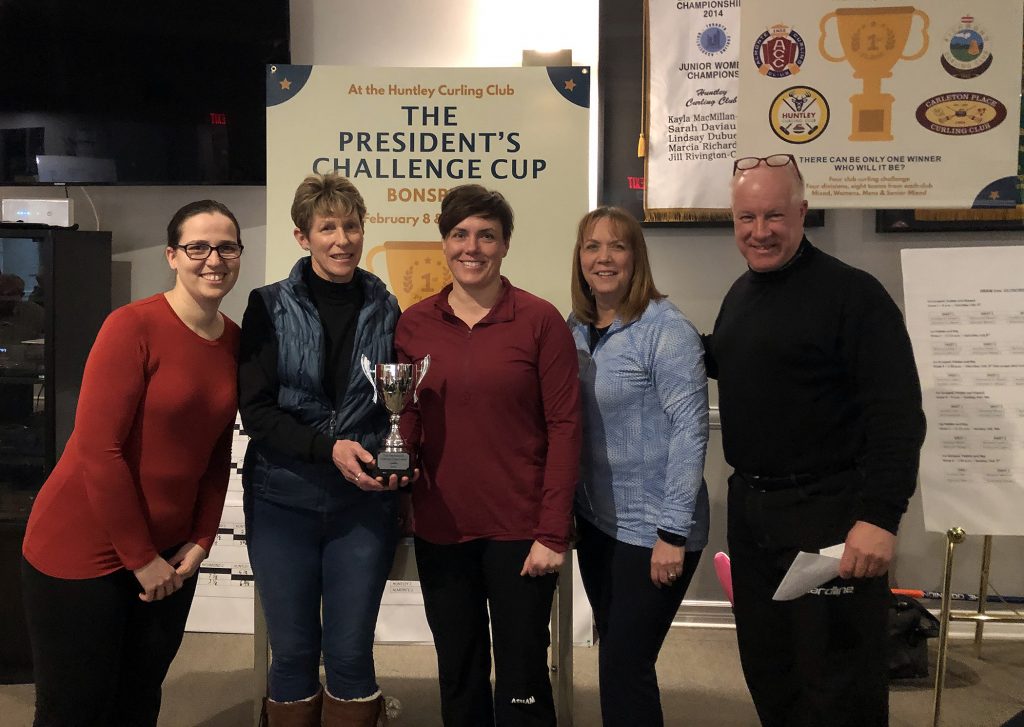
{"points": [[201, 251], [775, 160]]}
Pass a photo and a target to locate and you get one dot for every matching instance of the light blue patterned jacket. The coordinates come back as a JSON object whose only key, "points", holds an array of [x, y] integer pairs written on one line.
{"points": [[644, 395]]}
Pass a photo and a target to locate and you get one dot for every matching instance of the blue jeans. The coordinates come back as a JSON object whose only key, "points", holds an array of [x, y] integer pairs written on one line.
{"points": [[301, 556]]}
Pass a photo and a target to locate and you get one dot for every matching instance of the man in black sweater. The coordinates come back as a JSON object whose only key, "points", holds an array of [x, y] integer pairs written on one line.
{"points": [[822, 421]]}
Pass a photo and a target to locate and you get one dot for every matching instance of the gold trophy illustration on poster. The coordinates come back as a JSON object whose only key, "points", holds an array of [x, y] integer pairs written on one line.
{"points": [[416, 269], [873, 40]]}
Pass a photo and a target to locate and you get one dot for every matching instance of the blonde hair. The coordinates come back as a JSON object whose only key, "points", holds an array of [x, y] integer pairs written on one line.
{"points": [[641, 289]]}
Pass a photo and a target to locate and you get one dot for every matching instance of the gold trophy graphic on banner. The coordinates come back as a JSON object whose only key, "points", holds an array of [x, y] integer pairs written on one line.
{"points": [[873, 40], [416, 269]]}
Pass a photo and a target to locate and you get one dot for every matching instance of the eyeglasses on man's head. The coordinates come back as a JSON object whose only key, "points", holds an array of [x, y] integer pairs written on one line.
{"points": [[201, 250], [775, 160]]}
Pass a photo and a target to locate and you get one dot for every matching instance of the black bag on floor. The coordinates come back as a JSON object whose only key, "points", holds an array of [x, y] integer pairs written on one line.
{"points": [[910, 627]]}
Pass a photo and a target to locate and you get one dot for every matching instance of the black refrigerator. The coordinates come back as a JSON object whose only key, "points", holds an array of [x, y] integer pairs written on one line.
{"points": [[54, 295]]}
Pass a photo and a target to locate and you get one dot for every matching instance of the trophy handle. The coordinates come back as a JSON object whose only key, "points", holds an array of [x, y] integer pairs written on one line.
{"points": [[365, 365], [924, 37], [423, 367], [373, 253], [821, 40]]}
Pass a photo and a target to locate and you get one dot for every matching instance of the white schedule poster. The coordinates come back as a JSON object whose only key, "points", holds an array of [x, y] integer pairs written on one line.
{"points": [[965, 314], [226, 589]]}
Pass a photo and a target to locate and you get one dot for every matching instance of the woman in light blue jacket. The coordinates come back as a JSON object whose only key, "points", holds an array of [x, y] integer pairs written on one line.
{"points": [[641, 503]]}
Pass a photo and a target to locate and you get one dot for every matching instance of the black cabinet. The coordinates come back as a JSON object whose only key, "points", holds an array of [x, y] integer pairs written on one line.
{"points": [[54, 295]]}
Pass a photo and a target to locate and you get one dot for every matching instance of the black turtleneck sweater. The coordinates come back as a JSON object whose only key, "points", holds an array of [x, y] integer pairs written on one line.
{"points": [[815, 371], [338, 305]]}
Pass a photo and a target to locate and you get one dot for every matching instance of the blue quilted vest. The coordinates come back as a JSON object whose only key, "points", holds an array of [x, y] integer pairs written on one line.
{"points": [[272, 476]]}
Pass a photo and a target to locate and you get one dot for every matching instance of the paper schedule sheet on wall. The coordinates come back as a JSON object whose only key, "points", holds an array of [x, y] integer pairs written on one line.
{"points": [[965, 314]]}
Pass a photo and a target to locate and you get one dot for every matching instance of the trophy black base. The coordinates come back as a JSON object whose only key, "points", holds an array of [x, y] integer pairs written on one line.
{"points": [[392, 463]]}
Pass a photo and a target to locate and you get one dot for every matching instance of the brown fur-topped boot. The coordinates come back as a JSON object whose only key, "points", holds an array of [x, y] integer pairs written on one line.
{"points": [[305, 713], [367, 712]]}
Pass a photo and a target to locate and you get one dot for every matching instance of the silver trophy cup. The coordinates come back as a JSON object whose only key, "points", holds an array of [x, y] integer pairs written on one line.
{"points": [[394, 385]]}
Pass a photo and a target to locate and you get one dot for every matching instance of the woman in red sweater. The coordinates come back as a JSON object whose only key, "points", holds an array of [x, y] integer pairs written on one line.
{"points": [[120, 527]]}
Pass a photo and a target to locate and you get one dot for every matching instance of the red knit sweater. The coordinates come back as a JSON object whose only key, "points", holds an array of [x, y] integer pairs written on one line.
{"points": [[146, 467], [497, 424]]}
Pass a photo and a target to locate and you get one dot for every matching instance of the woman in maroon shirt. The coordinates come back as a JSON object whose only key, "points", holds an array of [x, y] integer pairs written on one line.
{"points": [[498, 434], [120, 527]]}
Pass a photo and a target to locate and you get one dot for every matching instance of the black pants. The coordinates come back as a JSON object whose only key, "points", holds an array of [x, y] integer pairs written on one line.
{"points": [[100, 654], [820, 659], [633, 617], [459, 583]]}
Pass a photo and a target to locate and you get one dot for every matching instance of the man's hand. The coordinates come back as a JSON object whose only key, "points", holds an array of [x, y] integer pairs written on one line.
{"points": [[541, 560], [666, 563], [868, 551]]}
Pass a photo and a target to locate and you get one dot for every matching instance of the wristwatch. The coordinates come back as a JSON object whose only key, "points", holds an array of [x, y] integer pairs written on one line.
{"points": [[672, 538]]}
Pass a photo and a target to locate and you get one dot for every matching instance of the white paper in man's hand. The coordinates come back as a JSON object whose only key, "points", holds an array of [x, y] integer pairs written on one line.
{"points": [[809, 570]]}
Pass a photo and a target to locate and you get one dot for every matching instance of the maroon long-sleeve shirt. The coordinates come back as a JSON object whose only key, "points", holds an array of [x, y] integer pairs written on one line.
{"points": [[147, 465], [497, 425]]}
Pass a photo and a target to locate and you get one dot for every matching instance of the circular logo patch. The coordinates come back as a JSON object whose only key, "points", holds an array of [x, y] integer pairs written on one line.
{"points": [[779, 51], [961, 113], [799, 114], [713, 40], [967, 53]]}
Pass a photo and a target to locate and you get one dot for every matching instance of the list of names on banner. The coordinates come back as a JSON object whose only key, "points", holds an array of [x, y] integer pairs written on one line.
{"points": [[693, 94]]}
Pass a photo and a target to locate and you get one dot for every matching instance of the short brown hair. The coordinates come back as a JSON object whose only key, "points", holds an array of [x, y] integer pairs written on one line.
{"points": [[641, 287], [474, 200], [327, 195]]}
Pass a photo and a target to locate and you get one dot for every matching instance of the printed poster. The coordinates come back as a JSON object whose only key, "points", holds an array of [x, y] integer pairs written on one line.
{"points": [[405, 136], [965, 314], [886, 106]]}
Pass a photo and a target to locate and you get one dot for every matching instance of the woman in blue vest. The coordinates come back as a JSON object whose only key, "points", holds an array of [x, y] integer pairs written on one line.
{"points": [[319, 528]]}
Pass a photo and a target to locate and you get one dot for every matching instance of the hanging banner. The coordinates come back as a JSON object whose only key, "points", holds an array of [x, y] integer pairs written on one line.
{"points": [[965, 314], [909, 106], [405, 136], [693, 83]]}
